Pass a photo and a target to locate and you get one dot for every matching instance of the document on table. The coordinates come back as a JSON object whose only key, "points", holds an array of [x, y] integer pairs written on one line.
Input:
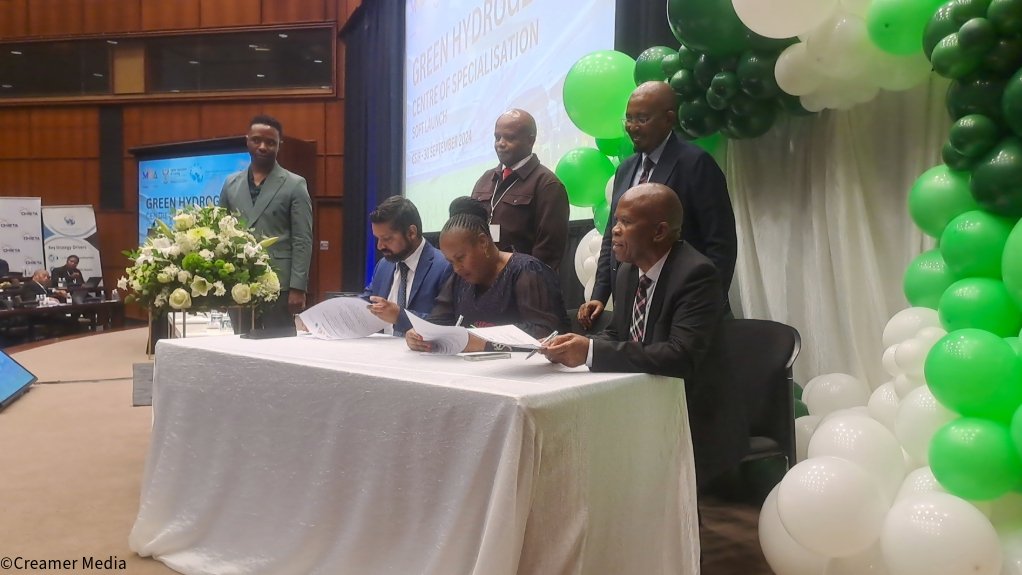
{"points": [[341, 318], [511, 335], [447, 339]]}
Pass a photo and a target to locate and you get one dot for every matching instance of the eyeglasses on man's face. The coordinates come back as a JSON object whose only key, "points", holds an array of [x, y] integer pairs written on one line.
{"points": [[636, 120]]}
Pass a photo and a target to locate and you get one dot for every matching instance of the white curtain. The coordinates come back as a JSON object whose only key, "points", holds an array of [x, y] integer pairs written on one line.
{"points": [[824, 233]]}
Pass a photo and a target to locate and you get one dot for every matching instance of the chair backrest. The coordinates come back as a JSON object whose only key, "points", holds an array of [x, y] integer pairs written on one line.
{"points": [[760, 354], [599, 325]]}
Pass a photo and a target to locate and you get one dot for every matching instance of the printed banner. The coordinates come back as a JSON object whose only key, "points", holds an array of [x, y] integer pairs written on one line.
{"points": [[71, 230], [21, 236]]}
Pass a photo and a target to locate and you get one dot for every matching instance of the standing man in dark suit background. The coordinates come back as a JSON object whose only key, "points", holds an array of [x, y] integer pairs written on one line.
{"points": [[663, 157], [669, 310], [526, 202], [411, 272], [275, 203]]}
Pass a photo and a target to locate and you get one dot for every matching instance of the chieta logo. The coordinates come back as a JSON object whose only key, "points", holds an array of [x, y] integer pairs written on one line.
{"points": [[10, 250], [69, 220], [28, 212], [30, 238], [33, 263], [8, 225]]}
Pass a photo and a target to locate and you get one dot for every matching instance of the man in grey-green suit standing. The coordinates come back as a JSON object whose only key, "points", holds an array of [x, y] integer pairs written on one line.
{"points": [[275, 203]]}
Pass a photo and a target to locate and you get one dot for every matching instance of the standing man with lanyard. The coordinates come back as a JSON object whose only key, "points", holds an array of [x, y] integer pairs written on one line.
{"points": [[526, 203]]}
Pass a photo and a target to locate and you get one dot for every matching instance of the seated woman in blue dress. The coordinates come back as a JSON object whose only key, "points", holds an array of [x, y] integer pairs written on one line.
{"points": [[491, 287]]}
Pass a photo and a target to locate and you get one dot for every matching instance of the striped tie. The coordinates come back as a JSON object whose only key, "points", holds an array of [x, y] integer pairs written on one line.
{"points": [[638, 329], [647, 170]]}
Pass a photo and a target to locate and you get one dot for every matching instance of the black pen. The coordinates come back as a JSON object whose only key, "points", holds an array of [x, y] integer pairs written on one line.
{"points": [[545, 339]]}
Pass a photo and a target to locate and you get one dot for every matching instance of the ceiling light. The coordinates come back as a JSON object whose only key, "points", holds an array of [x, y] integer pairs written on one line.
{"points": [[6, 86], [317, 61], [16, 52], [260, 75], [282, 35], [114, 42], [97, 75], [193, 61]]}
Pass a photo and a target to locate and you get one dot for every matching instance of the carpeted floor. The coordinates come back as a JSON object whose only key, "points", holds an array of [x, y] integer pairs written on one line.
{"points": [[73, 455]]}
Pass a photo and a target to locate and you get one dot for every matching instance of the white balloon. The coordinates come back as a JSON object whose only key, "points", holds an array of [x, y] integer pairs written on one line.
{"points": [[939, 534], [898, 73], [794, 72], [595, 242], [1006, 516], [919, 481], [783, 18], [804, 428], [814, 102], [834, 391], [931, 335], [911, 356], [920, 415], [904, 384], [581, 253], [831, 506], [869, 562], [588, 289], [589, 268], [840, 47], [907, 322], [782, 553], [856, 7], [883, 405], [890, 365], [866, 443]]}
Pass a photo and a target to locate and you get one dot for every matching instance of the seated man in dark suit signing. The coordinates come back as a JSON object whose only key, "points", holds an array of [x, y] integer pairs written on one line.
{"points": [[670, 306], [40, 285], [68, 275], [412, 271]]}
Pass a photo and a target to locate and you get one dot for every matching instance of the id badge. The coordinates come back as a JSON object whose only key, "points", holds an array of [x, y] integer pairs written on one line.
{"points": [[495, 232]]}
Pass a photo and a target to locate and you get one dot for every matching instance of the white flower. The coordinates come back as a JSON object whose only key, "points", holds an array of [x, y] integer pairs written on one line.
{"points": [[200, 286], [229, 224], [172, 269], [270, 282], [179, 299], [183, 276], [219, 289], [164, 277], [229, 267], [184, 221], [206, 255], [251, 250], [161, 299], [161, 244], [222, 248], [144, 258], [185, 242], [122, 283], [241, 293]]}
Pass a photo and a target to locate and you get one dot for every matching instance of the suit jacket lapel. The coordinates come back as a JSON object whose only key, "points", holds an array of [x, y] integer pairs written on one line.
{"points": [[668, 158], [421, 270], [655, 305], [273, 183]]}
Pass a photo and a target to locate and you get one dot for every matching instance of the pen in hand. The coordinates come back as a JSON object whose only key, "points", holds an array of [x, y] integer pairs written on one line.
{"points": [[545, 339]]}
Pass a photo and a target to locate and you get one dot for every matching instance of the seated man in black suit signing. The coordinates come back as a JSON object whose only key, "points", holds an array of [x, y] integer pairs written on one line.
{"points": [[670, 306], [40, 285], [68, 275]]}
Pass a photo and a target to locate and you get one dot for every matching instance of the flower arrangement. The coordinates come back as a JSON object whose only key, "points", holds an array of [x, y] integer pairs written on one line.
{"points": [[208, 260]]}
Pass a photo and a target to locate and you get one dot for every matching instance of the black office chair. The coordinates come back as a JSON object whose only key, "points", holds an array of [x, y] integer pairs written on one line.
{"points": [[599, 325], [761, 354]]}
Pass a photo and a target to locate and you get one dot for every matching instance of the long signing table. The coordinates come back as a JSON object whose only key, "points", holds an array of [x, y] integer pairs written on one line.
{"points": [[302, 456]]}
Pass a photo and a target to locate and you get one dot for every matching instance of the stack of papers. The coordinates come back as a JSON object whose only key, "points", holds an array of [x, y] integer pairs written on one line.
{"points": [[449, 340], [341, 318]]}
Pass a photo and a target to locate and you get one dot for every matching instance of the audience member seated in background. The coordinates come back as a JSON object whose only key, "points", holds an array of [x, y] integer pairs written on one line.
{"points": [[491, 287], [672, 295], [68, 275], [411, 272], [40, 285], [5, 268]]}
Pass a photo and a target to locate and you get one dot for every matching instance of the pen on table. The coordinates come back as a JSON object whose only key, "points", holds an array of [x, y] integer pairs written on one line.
{"points": [[460, 319], [545, 339]]}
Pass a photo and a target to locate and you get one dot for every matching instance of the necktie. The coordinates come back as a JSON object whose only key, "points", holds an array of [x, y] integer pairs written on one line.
{"points": [[402, 286], [505, 174], [647, 170], [638, 329]]}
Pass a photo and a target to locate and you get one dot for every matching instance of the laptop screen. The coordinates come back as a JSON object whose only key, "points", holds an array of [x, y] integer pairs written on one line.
{"points": [[14, 378]]}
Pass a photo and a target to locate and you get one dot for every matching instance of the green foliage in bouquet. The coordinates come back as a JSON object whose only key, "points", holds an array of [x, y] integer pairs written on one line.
{"points": [[208, 260]]}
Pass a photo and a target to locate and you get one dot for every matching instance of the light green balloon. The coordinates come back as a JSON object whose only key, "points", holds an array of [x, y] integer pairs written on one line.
{"points": [[585, 173], [926, 279], [973, 244], [937, 197], [596, 91], [601, 214], [981, 303], [975, 373], [1011, 264], [975, 459], [896, 26]]}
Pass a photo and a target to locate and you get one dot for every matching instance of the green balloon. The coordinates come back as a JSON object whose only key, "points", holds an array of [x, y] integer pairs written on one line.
{"points": [[684, 84], [1004, 58], [977, 94], [670, 65], [649, 64], [975, 459], [601, 215], [596, 91], [716, 101], [973, 244], [977, 36], [707, 26], [792, 105], [708, 66], [797, 389], [997, 179], [1015, 343], [951, 61], [616, 147], [1011, 264], [748, 118], [1006, 16], [981, 303], [954, 159], [938, 196], [1013, 103], [896, 26], [711, 144], [800, 408], [941, 24], [725, 85], [974, 135], [964, 10], [975, 373], [585, 173], [697, 119], [926, 279], [688, 57], [756, 74]]}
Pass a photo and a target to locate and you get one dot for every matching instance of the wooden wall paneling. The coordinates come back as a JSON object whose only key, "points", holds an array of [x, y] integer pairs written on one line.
{"points": [[321, 183], [55, 17], [170, 14], [283, 11], [17, 140], [134, 118], [349, 7], [16, 179], [118, 231], [129, 68], [223, 13], [106, 16], [59, 132], [329, 227], [170, 123], [90, 183], [334, 128], [302, 120], [333, 183], [131, 185], [13, 18], [59, 182]]}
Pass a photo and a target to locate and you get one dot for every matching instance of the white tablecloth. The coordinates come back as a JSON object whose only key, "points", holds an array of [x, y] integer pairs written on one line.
{"points": [[361, 457]]}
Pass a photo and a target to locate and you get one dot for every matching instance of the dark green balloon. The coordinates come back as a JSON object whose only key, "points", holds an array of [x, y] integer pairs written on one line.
{"points": [[1013, 103], [938, 196], [725, 85], [997, 179], [792, 105], [769, 45], [941, 24], [797, 390], [707, 26], [926, 279], [688, 57], [751, 125], [954, 159], [974, 135], [977, 94], [685, 86], [1006, 16], [708, 66], [977, 36], [975, 459], [756, 74], [697, 119], [716, 101], [964, 10], [648, 66], [1004, 58], [951, 61], [670, 65], [800, 408]]}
